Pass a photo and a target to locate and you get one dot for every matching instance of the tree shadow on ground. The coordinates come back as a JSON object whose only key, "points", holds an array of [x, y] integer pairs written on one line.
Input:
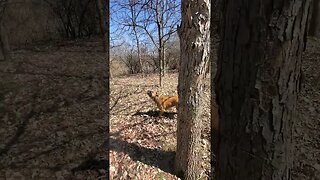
{"points": [[151, 113], [163, 160], [93, 163], [46, 148], [21, 128]]}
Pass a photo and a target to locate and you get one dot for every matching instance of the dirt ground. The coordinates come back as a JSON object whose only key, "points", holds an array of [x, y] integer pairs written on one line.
{"points": [[142, 145], [307, 129], [54, 118], [53, 113]]}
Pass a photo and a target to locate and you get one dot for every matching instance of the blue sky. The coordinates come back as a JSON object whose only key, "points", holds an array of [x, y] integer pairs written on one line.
{"points": [[117, 15]]}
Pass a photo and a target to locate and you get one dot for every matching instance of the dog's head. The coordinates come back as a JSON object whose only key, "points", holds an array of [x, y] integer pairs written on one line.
{"points": [[152, 94]]}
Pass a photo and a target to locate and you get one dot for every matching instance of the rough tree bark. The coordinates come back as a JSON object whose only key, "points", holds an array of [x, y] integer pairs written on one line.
{"points": [[107, 40], [259, 71], [194, 42]]}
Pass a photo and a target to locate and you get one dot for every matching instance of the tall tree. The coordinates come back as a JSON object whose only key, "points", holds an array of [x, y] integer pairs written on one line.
{"points": [[101, 7], [259, 71], [315, 20], [194, 48], [134, 16], [4, 42], [107, 39], [156, 18], [161, 19], [130, 17]]}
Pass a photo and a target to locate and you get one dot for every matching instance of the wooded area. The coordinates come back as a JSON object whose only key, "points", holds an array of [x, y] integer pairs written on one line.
{"points": [[259, 77], [53, 89], [85, 87]]}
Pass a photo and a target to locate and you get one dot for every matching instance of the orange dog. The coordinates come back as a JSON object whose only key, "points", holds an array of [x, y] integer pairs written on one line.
{"points": [[163, 102]]}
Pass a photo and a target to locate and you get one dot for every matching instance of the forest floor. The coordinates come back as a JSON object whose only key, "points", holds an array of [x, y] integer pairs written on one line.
{"points": [[53, 112], [307, 129], [53, 118], [142, 145]]}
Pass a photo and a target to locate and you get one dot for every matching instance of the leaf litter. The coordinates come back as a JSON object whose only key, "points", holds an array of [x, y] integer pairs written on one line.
{"points": [[142, 145]]}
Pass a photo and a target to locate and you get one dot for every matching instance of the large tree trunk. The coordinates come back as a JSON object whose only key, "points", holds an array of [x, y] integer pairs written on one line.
{"points": [[213, 57], [194, 42], [107, 82], [257, 84], [315, 20]]}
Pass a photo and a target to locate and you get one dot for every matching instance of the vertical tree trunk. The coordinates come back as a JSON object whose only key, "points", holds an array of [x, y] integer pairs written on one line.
{"points": [[194, 42], [134, 26], [107, 40], [160, 66], [103, 24], [4, 43], [138, 49], [215, 15], [162, 28], [315, 20], [159, 22], [257, 84], [163, 60]]}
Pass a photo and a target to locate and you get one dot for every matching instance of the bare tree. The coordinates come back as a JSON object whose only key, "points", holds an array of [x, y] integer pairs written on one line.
{"points": [[161, 19], [131, 61], [156, 18], [4, 43], [129, 17], [315, 20], [134, 18], [172, 54], [259, 71], [101, 6], [78, 18], [194, 44], [135, 11]]}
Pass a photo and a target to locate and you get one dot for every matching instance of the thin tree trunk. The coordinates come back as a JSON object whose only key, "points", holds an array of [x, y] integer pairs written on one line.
{"points": [[134, 24], [138, 49], [257, 83], [315, 20], [160, 46], [81, 18], [194, 42], [103, 24], [160, 67], [4, 42], [161, 23], [163, 61], [5, 48]]}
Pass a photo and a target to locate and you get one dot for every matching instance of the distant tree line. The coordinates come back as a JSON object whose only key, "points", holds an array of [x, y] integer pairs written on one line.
{"points": [[26, 22], [151, 21]]}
